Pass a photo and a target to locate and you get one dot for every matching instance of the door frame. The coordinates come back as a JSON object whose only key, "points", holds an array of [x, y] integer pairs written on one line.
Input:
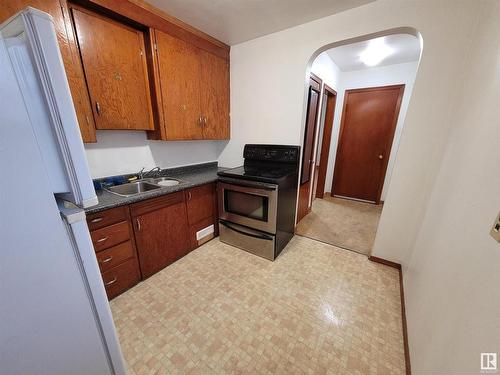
{"points": [[325, 140], [392, 132], [315, 83]]}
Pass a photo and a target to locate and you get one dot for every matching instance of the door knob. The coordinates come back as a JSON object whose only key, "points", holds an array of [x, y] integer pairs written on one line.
{"points": [[381, 157]]}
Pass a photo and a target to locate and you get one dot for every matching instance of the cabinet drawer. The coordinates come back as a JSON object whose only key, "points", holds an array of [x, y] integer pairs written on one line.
{"points": [[111, 235], [108, 217], [115, 255], [120, 278]]}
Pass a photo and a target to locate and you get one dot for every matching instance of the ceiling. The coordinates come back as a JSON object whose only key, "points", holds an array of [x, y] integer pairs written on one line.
{"points": [[236, 21], [406, 48]]}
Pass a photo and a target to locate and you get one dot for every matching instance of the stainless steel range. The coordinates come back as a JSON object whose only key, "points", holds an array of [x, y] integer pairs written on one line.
{"points": [[257, 200]]}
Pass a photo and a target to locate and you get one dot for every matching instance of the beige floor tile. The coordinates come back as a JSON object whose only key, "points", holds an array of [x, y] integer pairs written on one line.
{"points": [[317, 309], [342, 222]]}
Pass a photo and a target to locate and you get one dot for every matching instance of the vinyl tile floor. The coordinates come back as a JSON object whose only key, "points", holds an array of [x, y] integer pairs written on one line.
{"points": [[317, 309], [342, 222]]}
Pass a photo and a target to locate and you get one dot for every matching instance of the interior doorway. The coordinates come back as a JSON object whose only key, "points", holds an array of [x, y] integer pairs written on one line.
{"points": [[356, 129]]}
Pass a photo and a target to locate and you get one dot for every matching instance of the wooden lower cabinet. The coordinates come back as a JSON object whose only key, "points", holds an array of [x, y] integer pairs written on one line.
{"points": [[161, 231], [112, 257], [112, 235], [201, 204], [120, 278], [136, 241]]}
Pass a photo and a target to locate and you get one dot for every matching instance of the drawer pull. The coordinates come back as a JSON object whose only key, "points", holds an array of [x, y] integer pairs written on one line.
{"points": [[96, 220], [107, 260], [111, 282], [102, 239]]}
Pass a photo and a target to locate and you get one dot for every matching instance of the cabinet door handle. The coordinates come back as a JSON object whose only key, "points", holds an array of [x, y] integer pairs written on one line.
{"points": [[107, 260], [111, 282], [200, 121], [102, 239], [204, 121], [98, 108], [138, 224], [189, 195], [96, 220]]}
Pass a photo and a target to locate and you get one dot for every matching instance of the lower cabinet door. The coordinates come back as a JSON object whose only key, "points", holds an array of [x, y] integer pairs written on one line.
{"points": [[162, 237], [120, 278]]}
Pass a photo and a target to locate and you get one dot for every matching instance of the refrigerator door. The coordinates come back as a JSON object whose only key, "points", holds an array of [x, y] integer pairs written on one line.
{"points": [[51, 319], [83, 249], [35, 58]]}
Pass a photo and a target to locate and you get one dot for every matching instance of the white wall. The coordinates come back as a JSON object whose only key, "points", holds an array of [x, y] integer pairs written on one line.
{"points": [[450, 263], [268, 87], [121, 152], [324, 67], [452, 280], [378, 76]]}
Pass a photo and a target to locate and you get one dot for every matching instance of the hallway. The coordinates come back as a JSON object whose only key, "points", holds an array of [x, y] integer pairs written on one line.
{"points": [[341, 222]]}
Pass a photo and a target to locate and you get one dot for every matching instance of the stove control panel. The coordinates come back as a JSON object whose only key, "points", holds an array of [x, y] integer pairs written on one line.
{"points": [[274, 153]]}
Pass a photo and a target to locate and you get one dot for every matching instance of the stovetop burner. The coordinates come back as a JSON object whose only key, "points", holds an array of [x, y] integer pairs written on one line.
{"points": [[266, 163], [259, 173]]}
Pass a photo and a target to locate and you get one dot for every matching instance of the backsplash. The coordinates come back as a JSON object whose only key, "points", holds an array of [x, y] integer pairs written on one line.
{"points": [[126, 152]]}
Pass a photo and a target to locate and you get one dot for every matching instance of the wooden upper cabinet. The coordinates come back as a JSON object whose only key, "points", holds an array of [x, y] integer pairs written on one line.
{"points": [[69, 53], [214, 96], [114, 62], [193, 87], [179, 71]]}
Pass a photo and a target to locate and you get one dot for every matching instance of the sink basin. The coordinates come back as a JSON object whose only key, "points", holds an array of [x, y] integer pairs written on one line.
{"points": [[132, 188], [166, 181]]}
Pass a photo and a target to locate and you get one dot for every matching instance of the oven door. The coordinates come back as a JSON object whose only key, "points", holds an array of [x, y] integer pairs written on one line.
{"points": [[252, 204]]}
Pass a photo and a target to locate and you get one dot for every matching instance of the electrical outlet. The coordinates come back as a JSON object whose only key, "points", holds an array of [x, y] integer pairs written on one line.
{"points": [[495, 231]]}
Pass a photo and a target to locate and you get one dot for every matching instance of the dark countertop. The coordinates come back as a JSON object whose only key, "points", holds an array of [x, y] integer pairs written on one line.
{"points": [[190, 176]]}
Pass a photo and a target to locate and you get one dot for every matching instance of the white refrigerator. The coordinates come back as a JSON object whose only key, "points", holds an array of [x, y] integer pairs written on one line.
{"points": [[54, 315]]}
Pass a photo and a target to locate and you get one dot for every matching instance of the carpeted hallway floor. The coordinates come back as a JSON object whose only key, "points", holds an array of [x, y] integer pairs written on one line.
{"points": [[342, 222]]}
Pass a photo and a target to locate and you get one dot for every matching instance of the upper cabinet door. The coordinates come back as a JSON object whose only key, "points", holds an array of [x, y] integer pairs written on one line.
{"points": [[114, 62], [178, 72], [70, 56], [214, 96]]}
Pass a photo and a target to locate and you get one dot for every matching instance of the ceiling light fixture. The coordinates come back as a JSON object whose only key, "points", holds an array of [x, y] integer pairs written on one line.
{"points": [[376, 51]]}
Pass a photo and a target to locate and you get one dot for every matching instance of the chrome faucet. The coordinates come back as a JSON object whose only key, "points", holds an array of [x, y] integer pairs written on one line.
{"points": [[143, 174]]}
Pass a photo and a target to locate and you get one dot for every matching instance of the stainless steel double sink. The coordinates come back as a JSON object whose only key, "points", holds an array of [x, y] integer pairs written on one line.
{"points": [[140, 186]]}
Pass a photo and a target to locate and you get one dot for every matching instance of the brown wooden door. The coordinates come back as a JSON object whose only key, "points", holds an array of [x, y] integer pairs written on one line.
{"points": [[330, 99], [366, 133], [179, 78], [308, 147], [214, 91], [161, 232], [114, 62], [71, 59]]}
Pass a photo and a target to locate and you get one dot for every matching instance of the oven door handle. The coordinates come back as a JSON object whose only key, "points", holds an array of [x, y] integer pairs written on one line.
{"points": [[260, 236], [261, 186]]}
